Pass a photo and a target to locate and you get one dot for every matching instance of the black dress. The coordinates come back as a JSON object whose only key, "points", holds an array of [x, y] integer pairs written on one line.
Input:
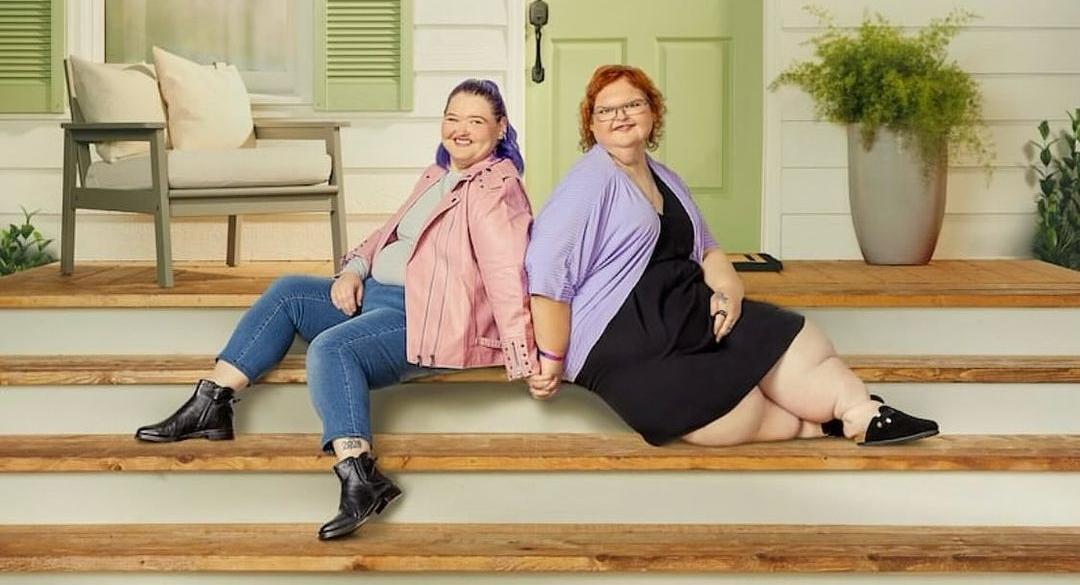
{"points": [[658, 364]]}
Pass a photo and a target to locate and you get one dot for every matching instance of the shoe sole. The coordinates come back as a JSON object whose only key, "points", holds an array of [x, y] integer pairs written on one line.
{"points": [[343, 531], [208, 435], [897, 440], [382, 505]]}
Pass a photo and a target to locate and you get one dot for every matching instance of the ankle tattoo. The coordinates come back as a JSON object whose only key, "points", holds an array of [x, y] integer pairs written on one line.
{"points": [[351, 444]]}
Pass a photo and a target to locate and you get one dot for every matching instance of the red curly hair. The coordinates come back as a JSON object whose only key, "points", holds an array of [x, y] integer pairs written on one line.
{"points": [[604, 76]]}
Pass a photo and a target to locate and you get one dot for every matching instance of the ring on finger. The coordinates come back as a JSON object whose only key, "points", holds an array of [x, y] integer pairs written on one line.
{"points": [[722, 312]]}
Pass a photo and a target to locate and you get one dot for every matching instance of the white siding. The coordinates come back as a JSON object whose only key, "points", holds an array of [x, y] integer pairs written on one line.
{"points": [[383, 152], [1021, 55]]}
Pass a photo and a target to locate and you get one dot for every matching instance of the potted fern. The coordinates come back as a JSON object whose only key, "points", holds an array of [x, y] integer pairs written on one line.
{"points": [[906, 105]]}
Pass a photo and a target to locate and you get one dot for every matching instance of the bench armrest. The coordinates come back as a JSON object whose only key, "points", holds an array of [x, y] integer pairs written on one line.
{"points": [[296, 128], [111, 131], [299, 123], [113, 126]]}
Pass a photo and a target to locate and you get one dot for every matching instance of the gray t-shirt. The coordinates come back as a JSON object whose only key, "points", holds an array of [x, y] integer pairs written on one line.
{"points": [[390, 261]]}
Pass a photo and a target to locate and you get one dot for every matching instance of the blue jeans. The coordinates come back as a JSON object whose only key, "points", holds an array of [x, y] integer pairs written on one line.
{"points": [[347, 356]]}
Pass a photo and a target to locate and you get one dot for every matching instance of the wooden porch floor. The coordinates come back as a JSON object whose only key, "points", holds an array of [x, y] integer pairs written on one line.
{"points": [[946, 283]]}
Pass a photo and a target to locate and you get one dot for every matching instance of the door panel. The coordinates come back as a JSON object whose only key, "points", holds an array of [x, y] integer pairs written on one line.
{"points": [[704, 55]]}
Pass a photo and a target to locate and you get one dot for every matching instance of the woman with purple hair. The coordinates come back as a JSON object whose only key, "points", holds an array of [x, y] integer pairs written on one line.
{"points": [[441, 285]]}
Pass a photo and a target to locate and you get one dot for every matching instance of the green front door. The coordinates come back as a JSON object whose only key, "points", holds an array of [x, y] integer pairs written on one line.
{"points": [[704, 55]]}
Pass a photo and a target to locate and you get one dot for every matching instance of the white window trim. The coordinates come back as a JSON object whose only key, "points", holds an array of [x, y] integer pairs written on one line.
{"points": [[86, 29]]}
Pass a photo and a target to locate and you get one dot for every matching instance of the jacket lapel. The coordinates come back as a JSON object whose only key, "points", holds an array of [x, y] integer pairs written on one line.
{"points": [[455, 197]]}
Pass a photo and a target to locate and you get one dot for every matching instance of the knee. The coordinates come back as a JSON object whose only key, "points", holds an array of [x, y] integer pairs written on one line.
{"points": [[285, 286], [815, 344], [322, 348]]}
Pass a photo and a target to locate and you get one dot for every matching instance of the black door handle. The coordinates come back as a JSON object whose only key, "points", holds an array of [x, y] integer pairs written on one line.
{"points": [[538, 17]]}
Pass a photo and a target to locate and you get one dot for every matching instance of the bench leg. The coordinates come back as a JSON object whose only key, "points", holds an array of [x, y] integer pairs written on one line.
{"points": [[338, 224], [159, 180], [232, 255], [67, 212], [164, 248], [338, 234]]}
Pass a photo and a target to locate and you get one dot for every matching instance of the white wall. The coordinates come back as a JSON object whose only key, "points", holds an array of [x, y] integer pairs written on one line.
{"points": [[1021, 53], [383, 153]]}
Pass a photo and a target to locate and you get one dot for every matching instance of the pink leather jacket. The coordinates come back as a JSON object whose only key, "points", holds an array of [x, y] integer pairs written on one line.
{"points": [[466, 295]]}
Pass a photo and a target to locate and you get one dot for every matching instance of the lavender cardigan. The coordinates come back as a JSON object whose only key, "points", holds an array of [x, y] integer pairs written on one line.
{"points": [[592, 241]]}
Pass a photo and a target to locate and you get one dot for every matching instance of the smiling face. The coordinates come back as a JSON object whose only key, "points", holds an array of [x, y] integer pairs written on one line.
{"points": [[631, 119], [470, 131]]}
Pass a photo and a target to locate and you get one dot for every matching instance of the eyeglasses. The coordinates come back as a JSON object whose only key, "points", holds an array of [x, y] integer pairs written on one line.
{"points": [[634, 108]]}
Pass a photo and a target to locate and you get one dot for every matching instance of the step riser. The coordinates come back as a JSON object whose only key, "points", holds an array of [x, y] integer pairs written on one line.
{"points": [[907, 498], [989, 331], [493, 408]]}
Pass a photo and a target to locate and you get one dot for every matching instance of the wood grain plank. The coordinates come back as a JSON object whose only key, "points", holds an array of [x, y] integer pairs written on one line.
{"points": [[536, 452], [528, 548], [839, 283], [157, 369]]}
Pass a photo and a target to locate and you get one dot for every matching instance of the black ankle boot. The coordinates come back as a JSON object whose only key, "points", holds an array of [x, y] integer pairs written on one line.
{"points": [[207, 414], [364, 492]]}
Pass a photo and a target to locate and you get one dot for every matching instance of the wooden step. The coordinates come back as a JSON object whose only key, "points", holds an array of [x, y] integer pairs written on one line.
{"points": [[529, 548], [803, 283], [536, 452], [158, 369]]}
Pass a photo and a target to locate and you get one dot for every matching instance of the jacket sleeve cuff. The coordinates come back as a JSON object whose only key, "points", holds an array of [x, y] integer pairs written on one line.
{"points": [[519, 358]]}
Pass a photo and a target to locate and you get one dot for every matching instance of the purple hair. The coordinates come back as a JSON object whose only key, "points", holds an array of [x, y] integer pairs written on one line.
{"points": [[507, 147]]}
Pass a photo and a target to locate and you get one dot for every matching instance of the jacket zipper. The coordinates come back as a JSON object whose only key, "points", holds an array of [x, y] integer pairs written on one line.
{"points": [[446, 279], [427, 307]]}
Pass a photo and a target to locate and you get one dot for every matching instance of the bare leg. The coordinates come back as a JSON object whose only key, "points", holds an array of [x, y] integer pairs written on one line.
{"points": [[226, 374], [754, 419], [813, 383]]}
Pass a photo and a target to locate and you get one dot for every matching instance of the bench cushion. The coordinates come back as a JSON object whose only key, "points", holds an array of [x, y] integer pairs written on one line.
{"points": [[276, 166], [117, 93], [208, 106]]}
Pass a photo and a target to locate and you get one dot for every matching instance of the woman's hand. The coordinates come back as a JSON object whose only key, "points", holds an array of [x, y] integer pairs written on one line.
{"points": [[725, 310], [347, 293], [545, 384]]}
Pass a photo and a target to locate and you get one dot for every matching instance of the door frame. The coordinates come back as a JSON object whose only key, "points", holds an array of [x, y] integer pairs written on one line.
{"points": [[517, 31], [772, 209]]}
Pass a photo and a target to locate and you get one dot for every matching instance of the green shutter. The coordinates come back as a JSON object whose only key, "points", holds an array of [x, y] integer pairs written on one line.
{"points": [[31, 56], [363, 55]]}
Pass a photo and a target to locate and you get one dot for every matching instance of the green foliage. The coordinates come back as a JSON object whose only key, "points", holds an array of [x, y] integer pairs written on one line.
{"points": [[23, 247], [880, 77], [1057, 239]]}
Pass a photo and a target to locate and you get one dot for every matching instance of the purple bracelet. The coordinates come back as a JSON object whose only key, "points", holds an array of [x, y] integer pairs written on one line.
{"points": [[550, 356]]}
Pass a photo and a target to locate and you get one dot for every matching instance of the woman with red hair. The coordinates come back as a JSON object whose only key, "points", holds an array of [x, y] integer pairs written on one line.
{"points": [[633, 299]]}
